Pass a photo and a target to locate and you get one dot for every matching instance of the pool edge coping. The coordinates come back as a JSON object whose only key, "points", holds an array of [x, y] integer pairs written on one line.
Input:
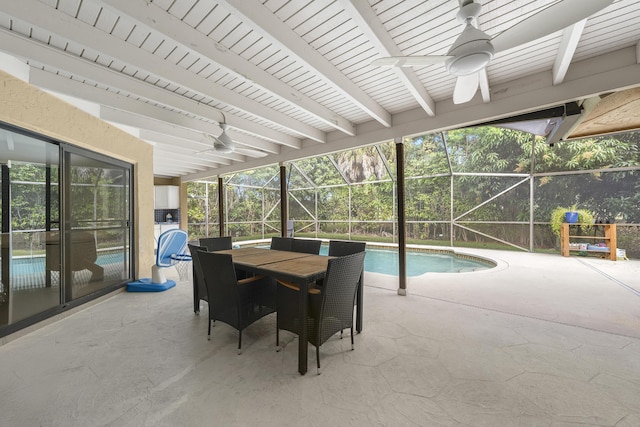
{"points": [[495, 264]]}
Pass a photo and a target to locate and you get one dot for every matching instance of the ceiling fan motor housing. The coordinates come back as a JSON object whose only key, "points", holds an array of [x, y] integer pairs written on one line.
{"points": [[471, 52]]}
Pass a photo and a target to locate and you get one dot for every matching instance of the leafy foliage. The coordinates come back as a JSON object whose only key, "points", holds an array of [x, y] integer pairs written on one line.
{"points": [[558, 217], [481, 177]]}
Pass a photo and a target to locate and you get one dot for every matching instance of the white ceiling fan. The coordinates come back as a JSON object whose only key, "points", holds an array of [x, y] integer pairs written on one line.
{"points": [[221, 143], [473, 49]]}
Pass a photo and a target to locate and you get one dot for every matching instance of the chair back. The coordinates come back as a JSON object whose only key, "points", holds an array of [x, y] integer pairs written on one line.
{"points": [[345, 247], [171, 242], [281, 243], [198, 276], [306, 246], [338, 294], [216, 243], [222, 286]]}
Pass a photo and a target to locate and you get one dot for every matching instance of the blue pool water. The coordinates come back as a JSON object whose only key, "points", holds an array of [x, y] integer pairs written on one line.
{"points": [[28, 265], [385, 261], [29, 272]]}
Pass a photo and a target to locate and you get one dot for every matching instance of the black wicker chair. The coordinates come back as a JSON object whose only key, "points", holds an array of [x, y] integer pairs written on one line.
{"points": [[330, 308], [199, 289], [306, 246], [344, 247], [213, 244], [347, 247], [237, 303], [281, 243], [216, 243]]}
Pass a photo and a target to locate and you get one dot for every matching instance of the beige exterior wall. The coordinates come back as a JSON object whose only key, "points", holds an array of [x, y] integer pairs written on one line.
{"points": [[28, 107]]}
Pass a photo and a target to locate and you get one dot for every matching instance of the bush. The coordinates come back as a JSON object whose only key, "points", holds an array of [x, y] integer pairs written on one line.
{"points": [[628, 238], [557, 217]]}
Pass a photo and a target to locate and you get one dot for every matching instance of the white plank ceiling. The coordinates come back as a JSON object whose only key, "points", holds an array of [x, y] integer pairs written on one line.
{"points": [[292, 78]]}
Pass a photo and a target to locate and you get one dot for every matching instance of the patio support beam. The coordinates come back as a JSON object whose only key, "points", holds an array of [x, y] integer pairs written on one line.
{"points": [[283, 200], [259, 17], [532, 194], [402, 246], [450, 174], [531, 214], [206, 209], [350, 211], [570, 38], [368, 21], [220, 205]]}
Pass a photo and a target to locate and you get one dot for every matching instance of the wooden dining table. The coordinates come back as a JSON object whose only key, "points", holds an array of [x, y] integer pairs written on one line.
{"points": [[299, 268]]}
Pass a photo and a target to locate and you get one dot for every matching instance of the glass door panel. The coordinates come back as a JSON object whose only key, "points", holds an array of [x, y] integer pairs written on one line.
{"points": [[98, 242], [30, 215]]}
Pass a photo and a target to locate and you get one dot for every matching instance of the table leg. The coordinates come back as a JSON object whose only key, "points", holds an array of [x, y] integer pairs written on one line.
{"points": [[303, 346]]}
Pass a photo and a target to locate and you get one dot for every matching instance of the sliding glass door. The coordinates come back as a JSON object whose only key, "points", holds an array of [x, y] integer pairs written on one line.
{"points": [[65, 220]]}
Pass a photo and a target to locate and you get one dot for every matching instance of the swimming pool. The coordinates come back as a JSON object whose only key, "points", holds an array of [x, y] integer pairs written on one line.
{"points": [[29, 271], [385, 261]]}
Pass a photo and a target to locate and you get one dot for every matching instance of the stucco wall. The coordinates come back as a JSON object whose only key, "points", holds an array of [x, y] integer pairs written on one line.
{"points": [[28, 107]]}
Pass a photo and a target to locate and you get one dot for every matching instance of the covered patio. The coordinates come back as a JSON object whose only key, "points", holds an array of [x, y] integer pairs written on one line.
{"points": [[158, 84], [562, 346]]}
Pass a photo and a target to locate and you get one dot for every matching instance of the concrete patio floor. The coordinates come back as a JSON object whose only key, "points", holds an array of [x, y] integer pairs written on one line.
{"points": [[539, 340]]}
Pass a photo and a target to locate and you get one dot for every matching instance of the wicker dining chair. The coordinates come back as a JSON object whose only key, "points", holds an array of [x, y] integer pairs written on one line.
{"points": [[342, 248], [199, 288], [307, 246], [223, 243], [347, 247], [330, 308], [238, 303], [281, 243], [216, 243]]}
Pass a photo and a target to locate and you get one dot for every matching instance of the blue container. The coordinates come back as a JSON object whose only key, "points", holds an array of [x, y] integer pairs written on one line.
{"points": [[571, 217]]}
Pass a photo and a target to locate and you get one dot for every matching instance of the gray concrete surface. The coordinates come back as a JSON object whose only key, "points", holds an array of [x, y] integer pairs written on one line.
{"points": [[541, 340]]}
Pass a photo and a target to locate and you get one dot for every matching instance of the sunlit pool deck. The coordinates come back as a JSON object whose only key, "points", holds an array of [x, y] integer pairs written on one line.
{"points": [[582, 291], [538, 340]]}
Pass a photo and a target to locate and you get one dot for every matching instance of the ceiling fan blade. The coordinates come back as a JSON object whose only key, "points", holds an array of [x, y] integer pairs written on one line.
{"points": [[203, 151], [217, 146], [466, 88], [223, 142], [409, 61], [554, 18]]}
